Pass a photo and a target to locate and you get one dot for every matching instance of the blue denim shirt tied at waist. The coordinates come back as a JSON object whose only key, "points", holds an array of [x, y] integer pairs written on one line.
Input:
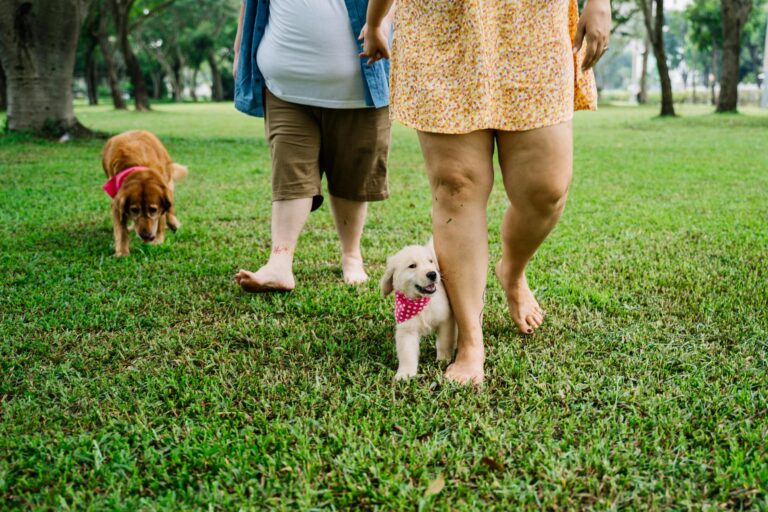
{"points": [[249, 85]]}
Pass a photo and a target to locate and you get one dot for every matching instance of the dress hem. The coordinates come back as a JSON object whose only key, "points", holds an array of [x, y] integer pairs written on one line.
{"points": [[522, 128]]}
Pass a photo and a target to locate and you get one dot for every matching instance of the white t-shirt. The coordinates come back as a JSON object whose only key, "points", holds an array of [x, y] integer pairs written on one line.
{"points": [[309, 54]]}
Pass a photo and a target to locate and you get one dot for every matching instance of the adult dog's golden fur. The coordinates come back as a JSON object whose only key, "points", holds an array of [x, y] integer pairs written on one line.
{"points": [[145, 198]]}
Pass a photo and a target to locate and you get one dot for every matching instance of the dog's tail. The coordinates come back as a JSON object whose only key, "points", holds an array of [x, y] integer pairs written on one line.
{"points": [[178, 172]]}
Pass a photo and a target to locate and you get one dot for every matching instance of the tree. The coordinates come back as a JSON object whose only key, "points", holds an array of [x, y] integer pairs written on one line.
{"points": [[128, 15], [706, 35], [38, 41], [764, 100], [87, 56], [734, 15], [107, 54], [3, 95], [189, 34], [653, 15], [121, 14]]}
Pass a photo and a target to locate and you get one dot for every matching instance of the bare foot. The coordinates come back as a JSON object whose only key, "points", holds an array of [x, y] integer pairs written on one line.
{"points": [[523, 308], [353, 270], [468, 368], [265, 279]]}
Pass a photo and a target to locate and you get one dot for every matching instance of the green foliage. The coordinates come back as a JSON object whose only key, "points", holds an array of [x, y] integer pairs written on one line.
{"points": [[706, 25], [152, 382]]}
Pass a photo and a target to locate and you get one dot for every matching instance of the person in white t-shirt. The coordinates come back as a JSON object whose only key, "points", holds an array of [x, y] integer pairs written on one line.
{"points": [[298, 64]]}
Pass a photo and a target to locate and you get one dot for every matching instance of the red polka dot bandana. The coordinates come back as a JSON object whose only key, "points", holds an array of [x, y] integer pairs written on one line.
{"points": [[406, 308]]}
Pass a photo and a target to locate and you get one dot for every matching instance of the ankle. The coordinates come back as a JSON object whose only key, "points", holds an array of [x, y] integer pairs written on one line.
{"points": [[471, 354], [352, 256], [511, 277], [280, 262]]}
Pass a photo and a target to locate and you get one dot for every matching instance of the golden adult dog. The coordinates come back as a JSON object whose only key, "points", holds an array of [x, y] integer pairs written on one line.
{"points": [[141, 177], [421, 306]]}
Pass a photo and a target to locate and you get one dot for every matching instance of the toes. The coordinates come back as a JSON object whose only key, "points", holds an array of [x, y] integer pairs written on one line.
{"points": [[524, 326]]}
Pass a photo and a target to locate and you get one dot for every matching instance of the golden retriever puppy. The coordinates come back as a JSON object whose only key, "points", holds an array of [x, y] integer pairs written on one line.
{"points": [[141, 178], [421, 306]]}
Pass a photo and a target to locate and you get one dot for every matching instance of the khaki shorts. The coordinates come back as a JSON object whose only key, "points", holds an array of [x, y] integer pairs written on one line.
{"points": [[349, 146]]}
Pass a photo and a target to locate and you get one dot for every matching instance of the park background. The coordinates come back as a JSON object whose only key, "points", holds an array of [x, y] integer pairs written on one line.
{"points": [[152, 382]]}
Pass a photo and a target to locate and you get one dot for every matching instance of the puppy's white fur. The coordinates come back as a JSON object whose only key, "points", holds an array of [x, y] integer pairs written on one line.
{"points": [[401, 275]]}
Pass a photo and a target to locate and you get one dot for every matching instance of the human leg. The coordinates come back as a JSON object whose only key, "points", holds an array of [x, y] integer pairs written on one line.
{"points": [[349, 217], [288, 219], [293, 133], [354, 158], [460, 169], [536, 166]]}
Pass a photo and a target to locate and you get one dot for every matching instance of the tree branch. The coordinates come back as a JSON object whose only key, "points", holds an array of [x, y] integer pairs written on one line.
{"points": [[150, 14]]}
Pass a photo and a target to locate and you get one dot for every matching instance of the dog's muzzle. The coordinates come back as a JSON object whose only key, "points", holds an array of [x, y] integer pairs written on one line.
{"points": [[427, 290]]}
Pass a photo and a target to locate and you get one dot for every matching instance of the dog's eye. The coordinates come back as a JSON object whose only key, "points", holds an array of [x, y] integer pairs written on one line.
{"points": [[431, 261], [412, 265], [152, 209], [135, 209]]}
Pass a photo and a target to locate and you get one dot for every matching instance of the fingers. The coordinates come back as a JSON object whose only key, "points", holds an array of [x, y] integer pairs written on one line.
{"points": [[375, 55], [579, 40], [596, 46], [590, 55], [375, 45]]}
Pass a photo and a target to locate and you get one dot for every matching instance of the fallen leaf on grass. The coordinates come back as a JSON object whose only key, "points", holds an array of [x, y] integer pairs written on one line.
{"points": [[435, 486], [425, 436], [492, 464]]}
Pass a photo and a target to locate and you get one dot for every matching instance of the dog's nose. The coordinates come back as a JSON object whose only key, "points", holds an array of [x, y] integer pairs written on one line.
{"points": [[432, 275]]}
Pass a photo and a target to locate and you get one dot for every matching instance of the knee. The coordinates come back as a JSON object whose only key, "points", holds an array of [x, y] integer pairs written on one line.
{"points": [[456, 184], [548, 199]]}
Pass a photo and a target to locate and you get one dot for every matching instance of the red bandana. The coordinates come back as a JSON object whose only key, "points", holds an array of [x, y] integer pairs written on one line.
{"points": [[112, 186], [406, 308]]}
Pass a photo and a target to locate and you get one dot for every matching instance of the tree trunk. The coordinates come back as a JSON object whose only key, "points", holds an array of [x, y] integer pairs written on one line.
{"points": [[754, 58], [764, 100], [693, 86], [734, 14], [171, 72], [3, 93], [38, 41], [157, 78], [176, 81], [642, 96], [217, 89], [193, 85], [122, 9], [713, 78], [109, 61], [654, 24], [91, 83]]}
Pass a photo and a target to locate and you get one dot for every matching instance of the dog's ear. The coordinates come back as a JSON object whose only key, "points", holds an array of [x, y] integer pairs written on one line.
{"points": [[387, 285], [166, 200], [122, 203]]}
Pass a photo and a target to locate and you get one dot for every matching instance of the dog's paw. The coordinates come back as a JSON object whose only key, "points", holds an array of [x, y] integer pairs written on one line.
{"points": [[120, 254], [173, 223], [404, 375], [444, 356]]}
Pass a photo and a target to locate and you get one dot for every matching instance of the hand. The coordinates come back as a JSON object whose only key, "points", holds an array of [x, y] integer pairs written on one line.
{"points": [[595, 24], [234, 65], [375, 43]]}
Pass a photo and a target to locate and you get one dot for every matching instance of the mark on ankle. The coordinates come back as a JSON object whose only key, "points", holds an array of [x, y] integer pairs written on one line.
{"points": [[281, 249]]}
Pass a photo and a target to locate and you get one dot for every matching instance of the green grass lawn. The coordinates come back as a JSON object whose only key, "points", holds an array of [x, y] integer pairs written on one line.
{"points": [[153, 382]]}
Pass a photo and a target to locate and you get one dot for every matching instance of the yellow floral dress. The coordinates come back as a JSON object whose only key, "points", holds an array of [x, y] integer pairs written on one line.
{"points": [[465, 65]]}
